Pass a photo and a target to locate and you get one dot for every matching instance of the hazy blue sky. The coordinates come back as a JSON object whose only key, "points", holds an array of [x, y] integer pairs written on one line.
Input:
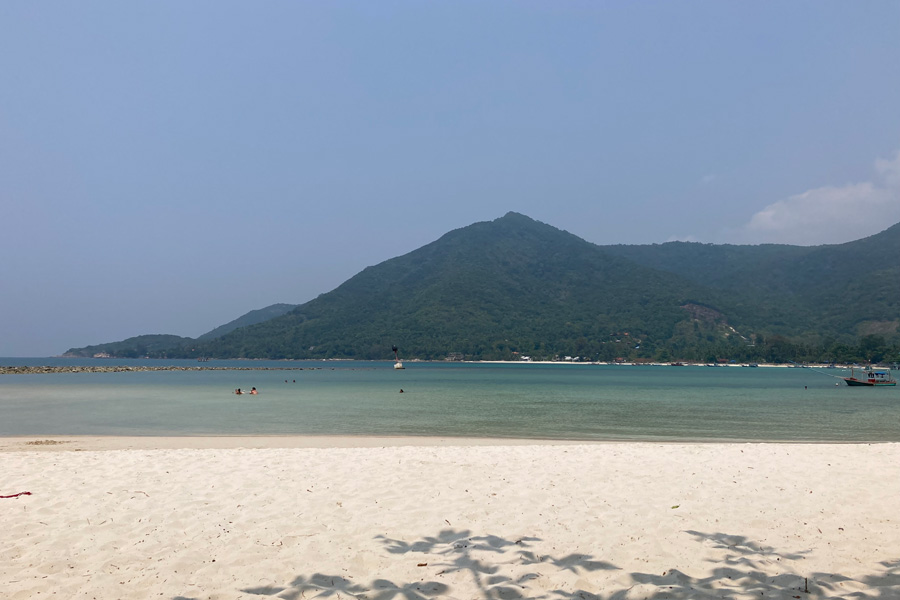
{"points": [[168, 166]]}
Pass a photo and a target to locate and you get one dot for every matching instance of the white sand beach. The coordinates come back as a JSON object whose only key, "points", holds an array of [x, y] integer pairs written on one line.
{"points": [[398, 518]]}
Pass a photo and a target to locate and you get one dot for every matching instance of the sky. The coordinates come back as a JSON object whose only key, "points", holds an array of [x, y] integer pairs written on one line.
{"points": [[166, 167]]}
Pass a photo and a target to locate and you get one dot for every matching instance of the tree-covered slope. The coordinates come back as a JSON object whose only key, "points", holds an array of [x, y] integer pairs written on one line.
{"points": [[514, 287], [133, 347], [251, 318], [173, 345], [840, 290], [486, 290]]}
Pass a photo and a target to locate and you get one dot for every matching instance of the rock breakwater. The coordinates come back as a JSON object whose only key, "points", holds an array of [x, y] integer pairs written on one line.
{"points": [[32, 370]]}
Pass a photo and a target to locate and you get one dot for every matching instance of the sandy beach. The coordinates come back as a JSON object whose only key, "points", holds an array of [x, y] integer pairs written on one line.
{"points": [[420, 518]]}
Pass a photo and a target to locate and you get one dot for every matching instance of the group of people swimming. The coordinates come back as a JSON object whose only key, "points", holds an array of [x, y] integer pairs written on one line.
{"points": [[252, 391]]}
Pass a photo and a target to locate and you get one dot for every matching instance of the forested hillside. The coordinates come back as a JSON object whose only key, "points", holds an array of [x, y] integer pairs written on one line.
{"points": [[485, 291], [516, 287], [810, 293]]}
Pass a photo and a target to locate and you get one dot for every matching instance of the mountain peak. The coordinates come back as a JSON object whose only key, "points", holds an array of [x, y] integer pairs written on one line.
{"points": [[514, 218]]}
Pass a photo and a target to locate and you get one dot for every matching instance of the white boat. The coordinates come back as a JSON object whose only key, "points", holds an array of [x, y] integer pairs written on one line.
{"points": [[398, 364]]}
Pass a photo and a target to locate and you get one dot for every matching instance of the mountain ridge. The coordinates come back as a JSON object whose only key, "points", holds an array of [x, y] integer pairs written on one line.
{"points": [[515, 286], [142, 345]]}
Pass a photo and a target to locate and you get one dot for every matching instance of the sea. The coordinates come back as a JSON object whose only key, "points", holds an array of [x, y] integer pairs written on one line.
{"points": [[448, 399]]}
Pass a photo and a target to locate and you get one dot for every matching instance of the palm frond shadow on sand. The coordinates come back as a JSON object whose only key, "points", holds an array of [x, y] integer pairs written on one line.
{"points": [[460, 551], [504, 569], [748, 569]]}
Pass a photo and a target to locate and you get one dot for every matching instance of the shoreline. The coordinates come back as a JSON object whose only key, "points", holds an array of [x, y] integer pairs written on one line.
{"points": [[101, 368], [63, 443], [81, 443]]}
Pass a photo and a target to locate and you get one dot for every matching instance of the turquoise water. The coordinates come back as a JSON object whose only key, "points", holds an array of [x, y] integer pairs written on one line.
{"points": [[581, 402]]}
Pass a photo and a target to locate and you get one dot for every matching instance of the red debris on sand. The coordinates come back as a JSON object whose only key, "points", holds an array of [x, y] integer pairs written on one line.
{"points": [[17, 495]]}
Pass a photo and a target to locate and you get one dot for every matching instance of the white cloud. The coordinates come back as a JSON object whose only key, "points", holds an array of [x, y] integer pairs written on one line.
{"points": [[889, 170], [831, 214]]}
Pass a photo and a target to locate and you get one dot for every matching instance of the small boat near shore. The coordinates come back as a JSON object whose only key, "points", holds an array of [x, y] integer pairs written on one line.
{"points": [[871, 377], [398, 364]]}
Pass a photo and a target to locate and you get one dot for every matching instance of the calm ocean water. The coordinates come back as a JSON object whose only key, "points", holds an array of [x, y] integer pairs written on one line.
{"points": [[581, 402]]}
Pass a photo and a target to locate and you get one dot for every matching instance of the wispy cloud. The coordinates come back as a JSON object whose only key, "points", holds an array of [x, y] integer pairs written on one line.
{"points": [[832, 214], [889, 170]]}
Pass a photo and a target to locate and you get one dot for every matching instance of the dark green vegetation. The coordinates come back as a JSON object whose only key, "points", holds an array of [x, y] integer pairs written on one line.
{"points": [[134, 347], [164, 345], [515, 287], [251, 318]]}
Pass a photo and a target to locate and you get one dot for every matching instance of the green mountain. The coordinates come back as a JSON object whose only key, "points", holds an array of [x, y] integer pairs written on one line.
{"points": [[841, 291], [516, 287], [133, 347], [251, 318], [155, 345], [488, 290]]}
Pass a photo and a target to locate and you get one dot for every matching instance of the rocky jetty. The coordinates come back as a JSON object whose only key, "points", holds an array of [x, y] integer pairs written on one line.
{"points": [[127, 369]]}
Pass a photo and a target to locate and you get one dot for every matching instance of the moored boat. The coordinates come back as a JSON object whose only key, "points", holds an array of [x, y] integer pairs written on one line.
{"points": [[871, 377], [398, 364]]}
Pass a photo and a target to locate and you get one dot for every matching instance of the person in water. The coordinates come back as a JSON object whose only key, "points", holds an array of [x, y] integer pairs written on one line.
{"points": [[238, 391], [253, 391]]}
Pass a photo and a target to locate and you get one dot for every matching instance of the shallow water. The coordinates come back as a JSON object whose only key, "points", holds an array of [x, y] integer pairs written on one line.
{"points": [[561, 401]]}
